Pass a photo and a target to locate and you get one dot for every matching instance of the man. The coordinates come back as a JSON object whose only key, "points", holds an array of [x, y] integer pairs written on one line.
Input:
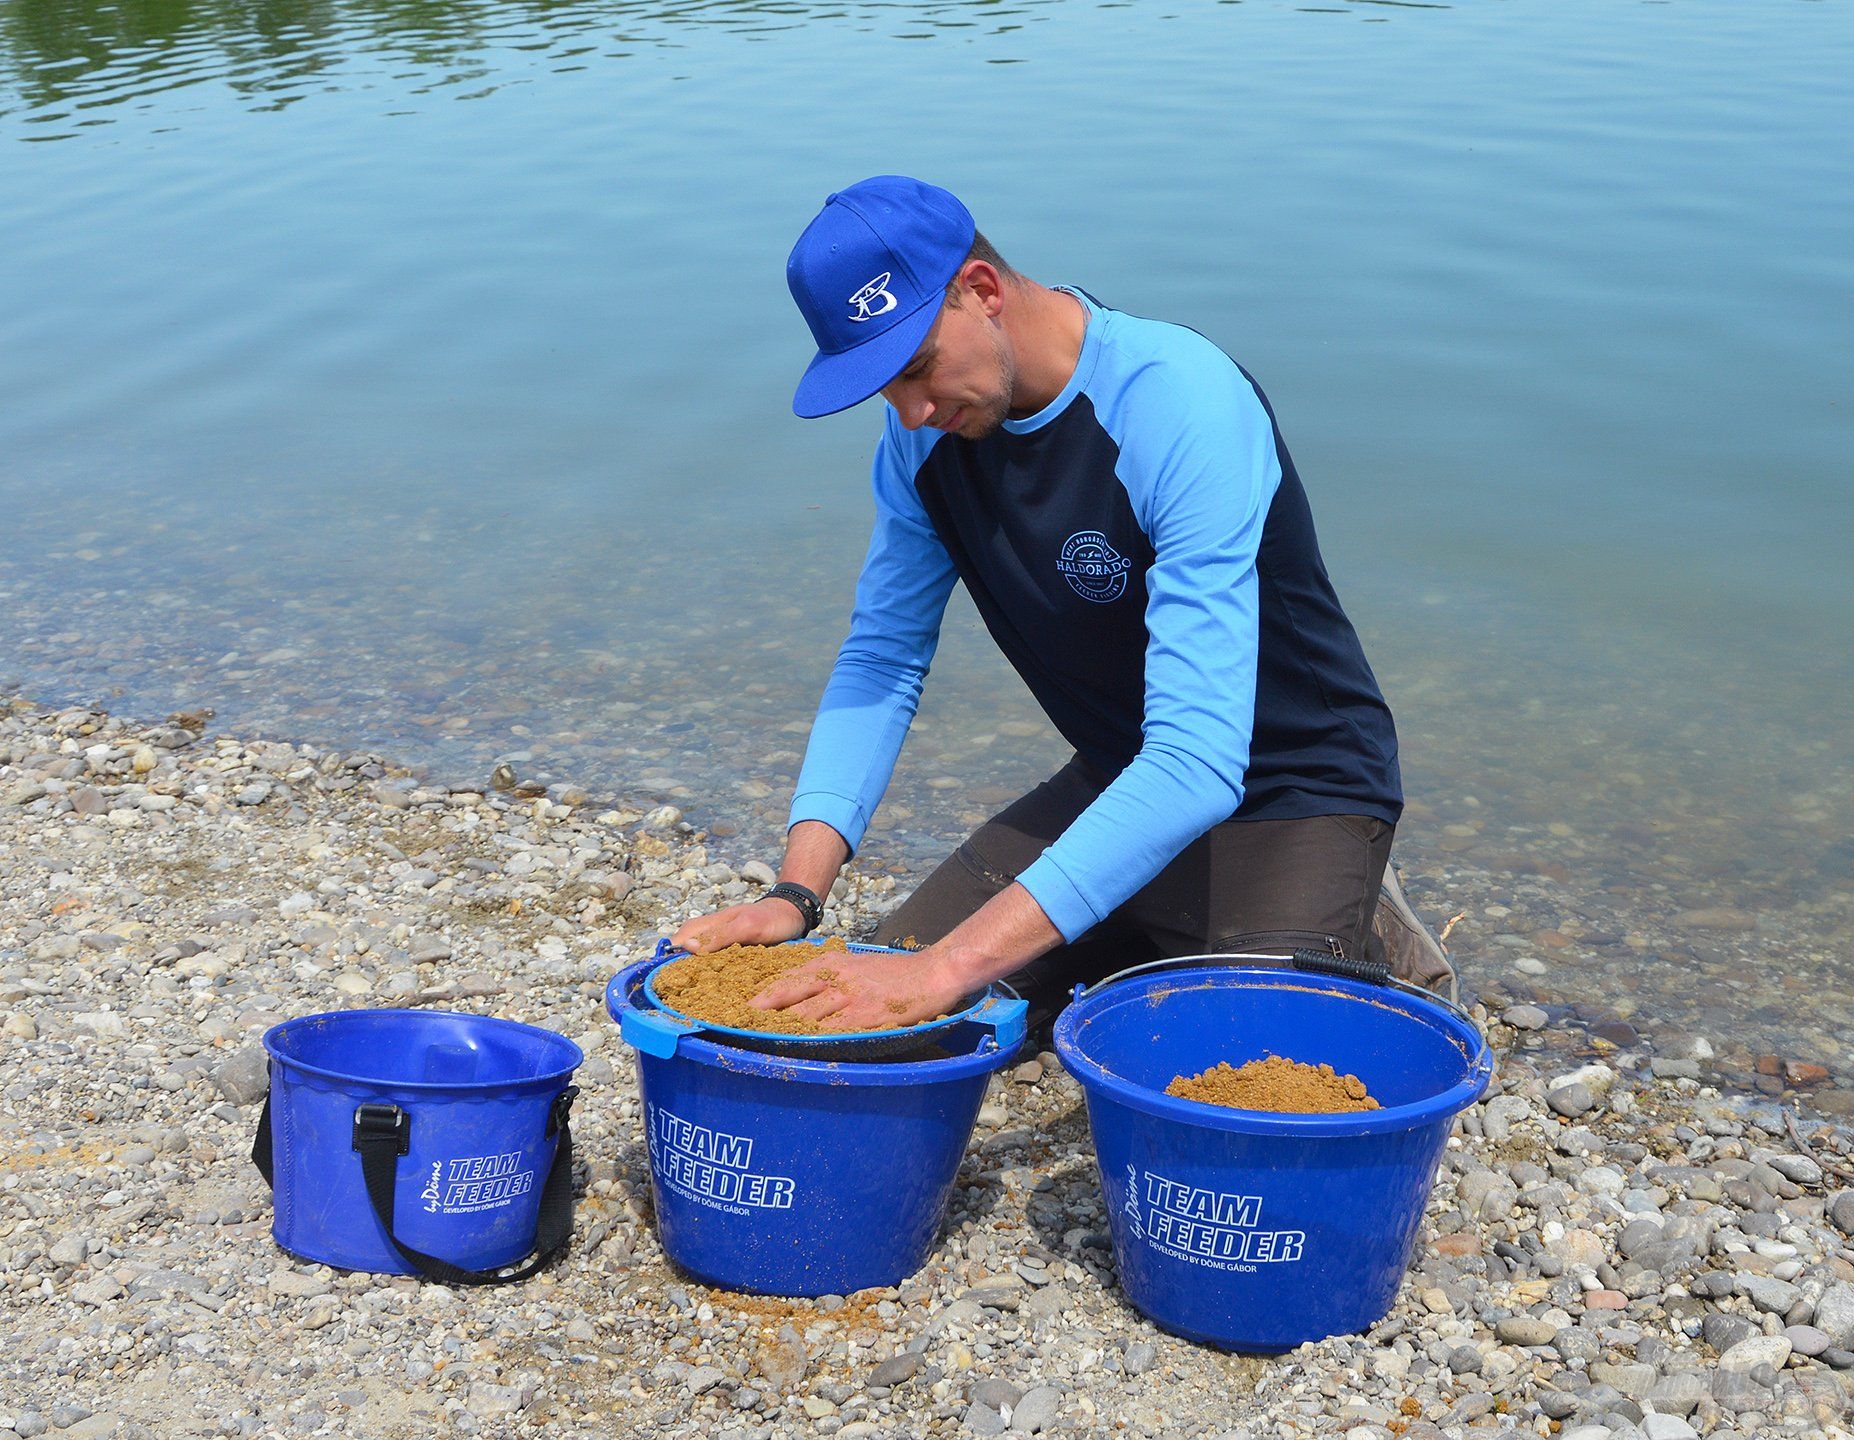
{"points": [[1116, 497]]}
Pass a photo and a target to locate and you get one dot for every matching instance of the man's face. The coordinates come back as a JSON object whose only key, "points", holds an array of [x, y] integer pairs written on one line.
{"points": [[961, 378]]}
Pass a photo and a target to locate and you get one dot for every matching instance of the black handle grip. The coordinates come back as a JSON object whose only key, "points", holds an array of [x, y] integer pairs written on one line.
{"points": [[1349, 967]]}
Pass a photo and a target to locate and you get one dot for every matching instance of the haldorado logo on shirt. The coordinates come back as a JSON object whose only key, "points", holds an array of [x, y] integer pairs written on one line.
{"points": [[1094, 569]]}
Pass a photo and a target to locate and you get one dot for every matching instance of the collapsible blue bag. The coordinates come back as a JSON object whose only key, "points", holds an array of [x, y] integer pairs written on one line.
{"points": [[419, 1142]]}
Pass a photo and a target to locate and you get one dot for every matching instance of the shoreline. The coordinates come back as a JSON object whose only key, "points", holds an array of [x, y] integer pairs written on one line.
{"points": [[169, 892]]}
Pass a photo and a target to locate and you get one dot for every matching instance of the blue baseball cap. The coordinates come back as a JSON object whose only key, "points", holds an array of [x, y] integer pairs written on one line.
{"points": [[869, 274]]}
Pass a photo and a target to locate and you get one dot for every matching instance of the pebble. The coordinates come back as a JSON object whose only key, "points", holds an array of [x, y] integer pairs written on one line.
{"points": [[1579, 1247], [1524, 1330], [1756, 1350], [1571, 1100], [1677, 1394], [1767, 1293], [244, 1077], [1806, 1339], [1037, 1411], [1800, 1168], [297, 1284], [428, 949], [1834, 1314], [1525, 1017], [896, 1369], [70, 1249], [1723, 1331]]}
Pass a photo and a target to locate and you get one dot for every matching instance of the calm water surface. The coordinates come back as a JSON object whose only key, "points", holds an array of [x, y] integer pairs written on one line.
{"points": [[417, 376]]}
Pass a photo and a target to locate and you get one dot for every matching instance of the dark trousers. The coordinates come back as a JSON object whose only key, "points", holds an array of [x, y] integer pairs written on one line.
{"points": [[1243, 886]]}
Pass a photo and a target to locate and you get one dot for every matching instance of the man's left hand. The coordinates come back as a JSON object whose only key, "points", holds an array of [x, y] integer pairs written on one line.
{"points": [[850, 991]]}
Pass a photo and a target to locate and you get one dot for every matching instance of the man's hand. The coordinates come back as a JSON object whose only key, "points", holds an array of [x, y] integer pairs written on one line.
{"points": [[814, 853], [764, 922], [870, 992], [889, 992]]}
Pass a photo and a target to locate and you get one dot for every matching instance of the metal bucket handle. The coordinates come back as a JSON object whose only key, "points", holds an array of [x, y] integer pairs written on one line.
{"points": [[1371, 972]]}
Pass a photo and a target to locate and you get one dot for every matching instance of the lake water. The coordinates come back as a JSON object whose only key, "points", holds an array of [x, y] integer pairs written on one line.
{"points": [[417, 376]]}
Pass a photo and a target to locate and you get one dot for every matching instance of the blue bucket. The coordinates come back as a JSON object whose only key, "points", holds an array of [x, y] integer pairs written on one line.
{"points": [[1247, 1229], [782, 1175], [418, 1141]]}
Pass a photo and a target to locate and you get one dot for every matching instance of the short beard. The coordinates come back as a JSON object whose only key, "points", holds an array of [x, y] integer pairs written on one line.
{"points": [[999, 409]]}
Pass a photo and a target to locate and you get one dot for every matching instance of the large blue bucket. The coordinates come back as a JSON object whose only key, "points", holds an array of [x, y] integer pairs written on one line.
{"points": [[779, 1175], [1253, 1230], [461, 1118]]}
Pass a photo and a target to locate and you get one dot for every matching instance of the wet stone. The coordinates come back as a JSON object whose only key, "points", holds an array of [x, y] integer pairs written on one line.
{"points": [[1571, 1100]]}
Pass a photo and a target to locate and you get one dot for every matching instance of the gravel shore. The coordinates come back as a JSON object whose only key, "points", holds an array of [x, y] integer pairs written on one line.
{"points": [[1614, 1248]]}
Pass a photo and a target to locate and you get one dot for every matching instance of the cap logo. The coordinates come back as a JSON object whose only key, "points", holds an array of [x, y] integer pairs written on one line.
{"points": [[863, 302]]}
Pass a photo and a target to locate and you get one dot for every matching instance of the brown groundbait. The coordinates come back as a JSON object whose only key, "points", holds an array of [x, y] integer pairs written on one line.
{"points": [[1275, 1083], [717, 987]]}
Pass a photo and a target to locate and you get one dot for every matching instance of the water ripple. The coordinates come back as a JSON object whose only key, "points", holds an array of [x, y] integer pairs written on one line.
{"points": [[61, 56]]}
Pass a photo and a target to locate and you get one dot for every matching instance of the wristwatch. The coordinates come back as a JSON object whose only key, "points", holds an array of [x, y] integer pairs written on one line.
{"points": [[805, 899]]}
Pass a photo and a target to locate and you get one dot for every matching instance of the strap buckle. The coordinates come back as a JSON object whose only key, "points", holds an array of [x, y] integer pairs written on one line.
{"points": [[558, 1113], [374, 1121]]}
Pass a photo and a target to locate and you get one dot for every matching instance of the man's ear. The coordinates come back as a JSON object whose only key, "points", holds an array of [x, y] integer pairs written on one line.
{"points": [[986, 285]]}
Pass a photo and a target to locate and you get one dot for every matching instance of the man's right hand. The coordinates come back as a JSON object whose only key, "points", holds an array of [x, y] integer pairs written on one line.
{"points": [[764, 922], [814, 853]]}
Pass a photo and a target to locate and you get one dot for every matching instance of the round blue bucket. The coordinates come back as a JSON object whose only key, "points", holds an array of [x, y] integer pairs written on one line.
{"points": [[467, 1113], [781, 1175], [1248, 1229]]}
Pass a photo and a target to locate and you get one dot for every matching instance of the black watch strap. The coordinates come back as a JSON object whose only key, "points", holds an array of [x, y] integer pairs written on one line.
{"points": [[809, 905]]}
